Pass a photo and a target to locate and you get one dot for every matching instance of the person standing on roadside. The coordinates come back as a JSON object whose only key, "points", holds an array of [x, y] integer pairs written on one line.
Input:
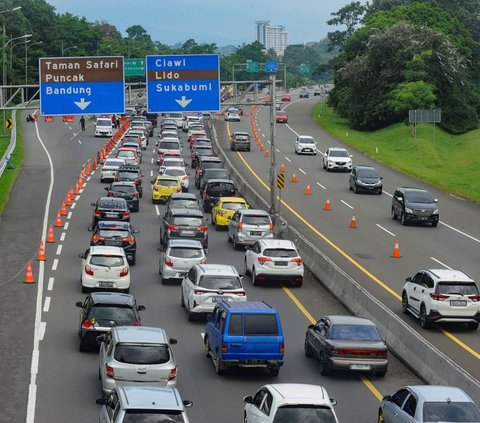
{"points": [[114, 121], [82, 123]]}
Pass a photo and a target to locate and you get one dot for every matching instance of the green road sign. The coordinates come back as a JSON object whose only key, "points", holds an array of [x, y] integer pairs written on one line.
{"points": [[252, 66], [134, 67], [304, 68]]}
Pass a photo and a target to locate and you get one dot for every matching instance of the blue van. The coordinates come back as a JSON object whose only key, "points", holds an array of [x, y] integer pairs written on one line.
{"points": [[245, 334]]}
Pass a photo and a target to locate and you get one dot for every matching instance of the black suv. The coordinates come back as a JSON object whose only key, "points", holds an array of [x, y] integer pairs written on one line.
{"points": [[103, 310], [116, 234], [130, 173], [414, 205], [201, 150], [152, 117], [110, 208], [126, 190], [212, 173], [183, 199], [206, 162], [214, 189], [366, 179], [184, 223]]}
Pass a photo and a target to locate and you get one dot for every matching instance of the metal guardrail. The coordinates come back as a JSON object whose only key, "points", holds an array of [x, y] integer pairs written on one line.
{"points": [[11, 147]]}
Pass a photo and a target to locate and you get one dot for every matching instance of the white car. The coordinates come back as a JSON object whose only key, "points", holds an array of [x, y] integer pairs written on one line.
{"points": [[289, 402], [178, 172], [105, 267], [305, 144], [172, 162], [189, 121], [109, 169], [177, 117], [143, 140], [179, 257], [337, 158], [103, 127], [232, 117], [207, 284], [442, 295], [274, 259]]}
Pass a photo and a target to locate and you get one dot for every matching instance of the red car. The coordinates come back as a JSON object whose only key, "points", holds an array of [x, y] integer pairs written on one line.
{"points": [[286, 97], [281, 117]]}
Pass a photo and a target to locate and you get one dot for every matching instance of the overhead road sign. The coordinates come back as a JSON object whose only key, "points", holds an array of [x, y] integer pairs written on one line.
{"points": [[252, 66], [183, 83], [304, 68], [425, 116], [271, 66], [82, 85], [134, 67]]}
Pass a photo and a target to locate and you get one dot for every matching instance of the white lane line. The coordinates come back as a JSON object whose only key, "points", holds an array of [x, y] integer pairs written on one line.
{"points": [[457, 197], [268, 141], [157, 210], [301, 170], [263, 135], [77, 198], [42, 329], [153, 151], [348, 205], [151, 161], [320, 185], [287, 159], [278, 151], [386, 230], [151, 173], [59, 249], [88, 178], [46, 305], [50, 283], [62, 237], [460, 232], [81, 191], [440, 263], [66, 225], [35, 357], [55, 264], [291, 129], [79, 141], [69, 216], [73, 205], [387, 193]]}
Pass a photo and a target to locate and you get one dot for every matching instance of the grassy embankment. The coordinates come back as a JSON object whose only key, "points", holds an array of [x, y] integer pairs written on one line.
{"points": [[449, 162]]}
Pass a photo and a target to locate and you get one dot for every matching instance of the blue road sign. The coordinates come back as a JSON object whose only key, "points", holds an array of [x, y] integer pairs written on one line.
{"points": [[271, 66], [183, 83], [82, 85]]}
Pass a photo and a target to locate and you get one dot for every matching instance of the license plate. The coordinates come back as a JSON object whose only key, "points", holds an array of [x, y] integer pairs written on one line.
{"points": [[281, 263], [256, 233], [458, 303], [423, 218], [360, 366], [114, 243], [218, 299], [111, 215], [307, 149], [188, 233], [106, 284]]}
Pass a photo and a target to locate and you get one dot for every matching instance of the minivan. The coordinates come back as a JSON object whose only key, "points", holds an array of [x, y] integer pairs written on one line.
{"points": [[103, 127], [214, 189], [245, 334]]}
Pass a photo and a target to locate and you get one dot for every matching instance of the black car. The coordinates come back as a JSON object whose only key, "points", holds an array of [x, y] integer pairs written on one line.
{"points": [[212, 173], [126, 190], [240, 141], [366, 179], [183, 199], [201, 150], [110, 208], [152, 117], [414, 205], [103, 310], [116, 234], [130, 173], [206, 162], [184, 223], [214, 189]]}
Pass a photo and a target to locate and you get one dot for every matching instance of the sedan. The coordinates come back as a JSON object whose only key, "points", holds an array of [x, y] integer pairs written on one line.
{"points": [[303, 94], [281, 117], [366, 179], [179, 257], [346, 343]]}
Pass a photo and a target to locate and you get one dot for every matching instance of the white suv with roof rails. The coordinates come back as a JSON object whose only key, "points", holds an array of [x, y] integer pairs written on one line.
{"points": [[337, 158], [442, 295]]}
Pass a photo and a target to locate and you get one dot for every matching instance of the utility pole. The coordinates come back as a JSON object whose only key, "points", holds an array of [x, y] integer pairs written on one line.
{"points": [[273, 162]]}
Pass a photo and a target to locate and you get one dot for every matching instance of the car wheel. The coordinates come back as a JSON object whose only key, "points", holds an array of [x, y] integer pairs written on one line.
{"points": [[236, 245], [394, 215], [217, 227], [82, 347], [380, 192], [425, 322], [182, 300], [229, 238], [404, 303], [254, 278], [247, 272], [322, 363], [472, 325], [133, 261], [355, 189], [308, 350], [380, 417], [403, 219], [190, 316], [380, 373], [219, 370], [206, 347], [324, 165], [85, 290], [274, 371]]}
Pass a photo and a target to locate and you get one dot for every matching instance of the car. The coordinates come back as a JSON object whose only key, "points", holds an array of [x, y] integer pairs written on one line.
{"points": [[177, 118], [245, 334], [103, 127], [105, 267], [131, 174], [442, 295], [206, 162], [168, 147], [365, 179], [303, 94], [201, 150], [247, 226], [428, 403], [172, 161], [100, 311], [136, 354], [281, 117], [126, 190], [274, 259], [337, 158], [240, 141], [214, 189], [346, 343], [183, 199], [195, 129], [196, 134], [207, 284], [289, 402], [278, 105], [178, 172], [286, 97], [168, 153], [141, 134], [190, 121], [179, 256], [225, 208], [232, 116], [169, 133], [317, 93], [129, 155], [198, 141], [128, 404], [110, 168], [116, 234], [151, 117], [184, 223], [305, 144], [212, 173], [164, 187], [417, 205], [135, 146], [110, 208]]}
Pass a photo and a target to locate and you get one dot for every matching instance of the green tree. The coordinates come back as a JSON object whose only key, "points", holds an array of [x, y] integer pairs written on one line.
{"points": [[350, 16]]}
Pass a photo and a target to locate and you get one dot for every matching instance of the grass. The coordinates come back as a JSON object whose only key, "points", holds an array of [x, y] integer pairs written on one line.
{"points": [[9, 175], [449, 162]]}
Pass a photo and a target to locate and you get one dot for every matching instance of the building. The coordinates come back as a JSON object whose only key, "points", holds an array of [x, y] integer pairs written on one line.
{"points": [[272, 36]]}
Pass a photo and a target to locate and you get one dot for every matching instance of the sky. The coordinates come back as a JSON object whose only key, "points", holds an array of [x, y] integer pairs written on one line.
{"points": [[222, 22]]}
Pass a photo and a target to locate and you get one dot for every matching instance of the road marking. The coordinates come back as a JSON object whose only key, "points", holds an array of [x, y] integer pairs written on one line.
{"points": [[41, 334], [457, 197], [278, 151], [372, 388], [157, 210], [153, 151], [69, 216], [291, 129], [268, 141], [460, 232], [386, 230], [151, 173], [301, 170], [287, 159], [440, 263], [88, 178], [348, 205], [66, 225], [81, 191], [55, 264], [77, 198], [387, 193], [151, 161], [62, 237], [460, 343], [79, 141], [46, 306], [73, 205], [263, 135], [320, 185], [59, 250], [50, 283], [35, 357]]}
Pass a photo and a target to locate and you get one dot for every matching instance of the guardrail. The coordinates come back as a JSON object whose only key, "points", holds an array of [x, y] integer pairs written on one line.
{"points": [[427, 361], [11, 147]]}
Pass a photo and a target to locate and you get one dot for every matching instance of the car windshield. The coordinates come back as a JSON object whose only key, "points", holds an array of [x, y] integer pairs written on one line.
{"points": [[104, 122], [113, 163], [173, 162], [304, 413], [215, 174], [279, 252], [450, 412], [222, 188], [183, 203], [418, 197], [141, 354], [153, 416], [338, 153], [167, 182], [126, 154], [175, 172], [185, 252], [234, 206], [261, 324], [113, 233], [203, 149], [113, 312], [355, 333], [220, 282], [306, 140], [111, 205], [127, 174], [169, 145], [367, 173], [256, 220], [107, 261], [457, 288], [187, 221], [124, 188]]}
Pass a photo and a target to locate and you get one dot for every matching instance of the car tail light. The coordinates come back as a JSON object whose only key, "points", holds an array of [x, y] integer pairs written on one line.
{"points": [[202, 228], [381, 353], [222, 212], [125, 213], [474, 298], [240, 226], [439, 297], [185, 177], [282, 348], [270, 227], [168, 261], [98, 213], [138, 182], [109, 193], [124, 271], [87, 324], [207, 197], [173, 374], [97, 238], [109, 374], [203, 260], [200, 291], [172, 228], [297, 260], [224, 347], [263, 260], [179, 188], [239, 293], [88, 270], [135, 324], [130, 240]]}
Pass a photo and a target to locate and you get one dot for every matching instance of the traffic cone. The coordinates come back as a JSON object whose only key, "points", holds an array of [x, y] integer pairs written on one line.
{"points": [[68, 201], [29, 274], [41, 252], [308, 191], [396, 250], [63, 210], [71, 194], [267, 154], [51, 234], [262, 148], [87, 168], [58, 222], [282, 168], [328, 206], [353, 222], [77, 188], [294, 179], [94, 165]]}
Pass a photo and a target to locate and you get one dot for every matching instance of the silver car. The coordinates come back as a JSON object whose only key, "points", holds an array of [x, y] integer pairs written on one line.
{"points": [[248, 226], [135, 355], [179, 257]]}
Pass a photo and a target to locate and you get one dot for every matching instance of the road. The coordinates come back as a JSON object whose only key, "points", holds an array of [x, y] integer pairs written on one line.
{"points": [[365, 252], [67, 384]]}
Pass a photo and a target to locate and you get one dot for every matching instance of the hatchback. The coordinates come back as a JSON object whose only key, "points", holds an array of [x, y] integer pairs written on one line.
{"points": [[225, 208], [178, 172], [179, 256], [136, 356], [305, 144], [212, 173], [110, 168], [247, 226], [366, 179], [126, 190], [110, 208], [164, 187], [129, 173], [206, 162], [201, 150], [116, 234], [184, 223], [183, 199], [129, 155], [240, 141]]}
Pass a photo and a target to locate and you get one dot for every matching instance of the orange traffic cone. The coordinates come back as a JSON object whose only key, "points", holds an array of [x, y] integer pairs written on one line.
{"points": [[294, 179], [87, 168], [51, 234], [267, 154], [328, 206], [396, 250], [68, 201], [29, 274], [77, 188], [262, 148], [63, 210], [94, 165], [282, 168], [41, 252], [58, 222], [308, 191], [71, 194], [353, 222]]}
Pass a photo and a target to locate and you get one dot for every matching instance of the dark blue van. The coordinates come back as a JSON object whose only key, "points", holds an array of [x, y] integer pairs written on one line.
{"points": [[245, 334]]}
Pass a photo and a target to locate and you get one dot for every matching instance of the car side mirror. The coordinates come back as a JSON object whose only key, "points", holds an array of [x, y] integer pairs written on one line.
{"points": [[187, 403], [100, 338], [79, 304], [173, 341], [311, 326], [387, 398], [333, 401], [248, 399], [409, 279], [136, 231], [82, 255], [141, 308], [101, 401], [106, 188], [93, 204]]}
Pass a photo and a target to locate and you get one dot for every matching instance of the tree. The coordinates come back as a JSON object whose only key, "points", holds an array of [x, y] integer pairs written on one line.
{"points": [[350, 16]]}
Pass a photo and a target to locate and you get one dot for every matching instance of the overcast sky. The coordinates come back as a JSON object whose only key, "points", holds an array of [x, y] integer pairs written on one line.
{"points": [[209, 21]]}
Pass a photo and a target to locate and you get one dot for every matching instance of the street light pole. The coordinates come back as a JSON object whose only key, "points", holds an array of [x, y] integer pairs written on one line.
{"points": [[273, 162], [27, 46]]}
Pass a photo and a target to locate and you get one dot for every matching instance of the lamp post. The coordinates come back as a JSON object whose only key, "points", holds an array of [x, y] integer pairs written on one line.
{"points": [[66, 49], [25, 36], [27, 46], [11, 50]]}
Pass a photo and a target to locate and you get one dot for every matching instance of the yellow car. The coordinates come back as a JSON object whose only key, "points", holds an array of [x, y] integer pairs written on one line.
{"points": [[164, 187], [225, 208]]}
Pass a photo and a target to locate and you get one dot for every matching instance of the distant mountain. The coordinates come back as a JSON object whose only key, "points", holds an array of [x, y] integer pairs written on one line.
{"points": [[225, 50]]}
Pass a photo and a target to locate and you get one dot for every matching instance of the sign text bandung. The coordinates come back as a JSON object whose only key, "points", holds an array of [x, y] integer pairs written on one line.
{"points": [[184, 83]]}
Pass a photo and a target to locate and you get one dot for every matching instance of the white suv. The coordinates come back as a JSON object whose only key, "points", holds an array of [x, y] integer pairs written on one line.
{"points": [[337, 158], [442, 295]]}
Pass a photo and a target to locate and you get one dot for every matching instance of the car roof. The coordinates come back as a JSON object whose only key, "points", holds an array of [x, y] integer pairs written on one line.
{"points": [[450, 275], [337, 149], [218, 269], [167, 178], [128, 183], [186, 212], [254, 212], [182, 242], [439, 393], [350, 320], [112, 298], [299, 393], [150, 398], [249, 307], [141, 334], [276, 243], [211, 181], [112, 200], [232, 200], [412, 189], [183, 196], [113, 224], [107, 250], [364, 167]]}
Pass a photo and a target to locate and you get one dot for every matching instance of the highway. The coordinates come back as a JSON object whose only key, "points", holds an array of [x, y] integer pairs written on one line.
{"points": [[365, 252], [67, 384]]}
